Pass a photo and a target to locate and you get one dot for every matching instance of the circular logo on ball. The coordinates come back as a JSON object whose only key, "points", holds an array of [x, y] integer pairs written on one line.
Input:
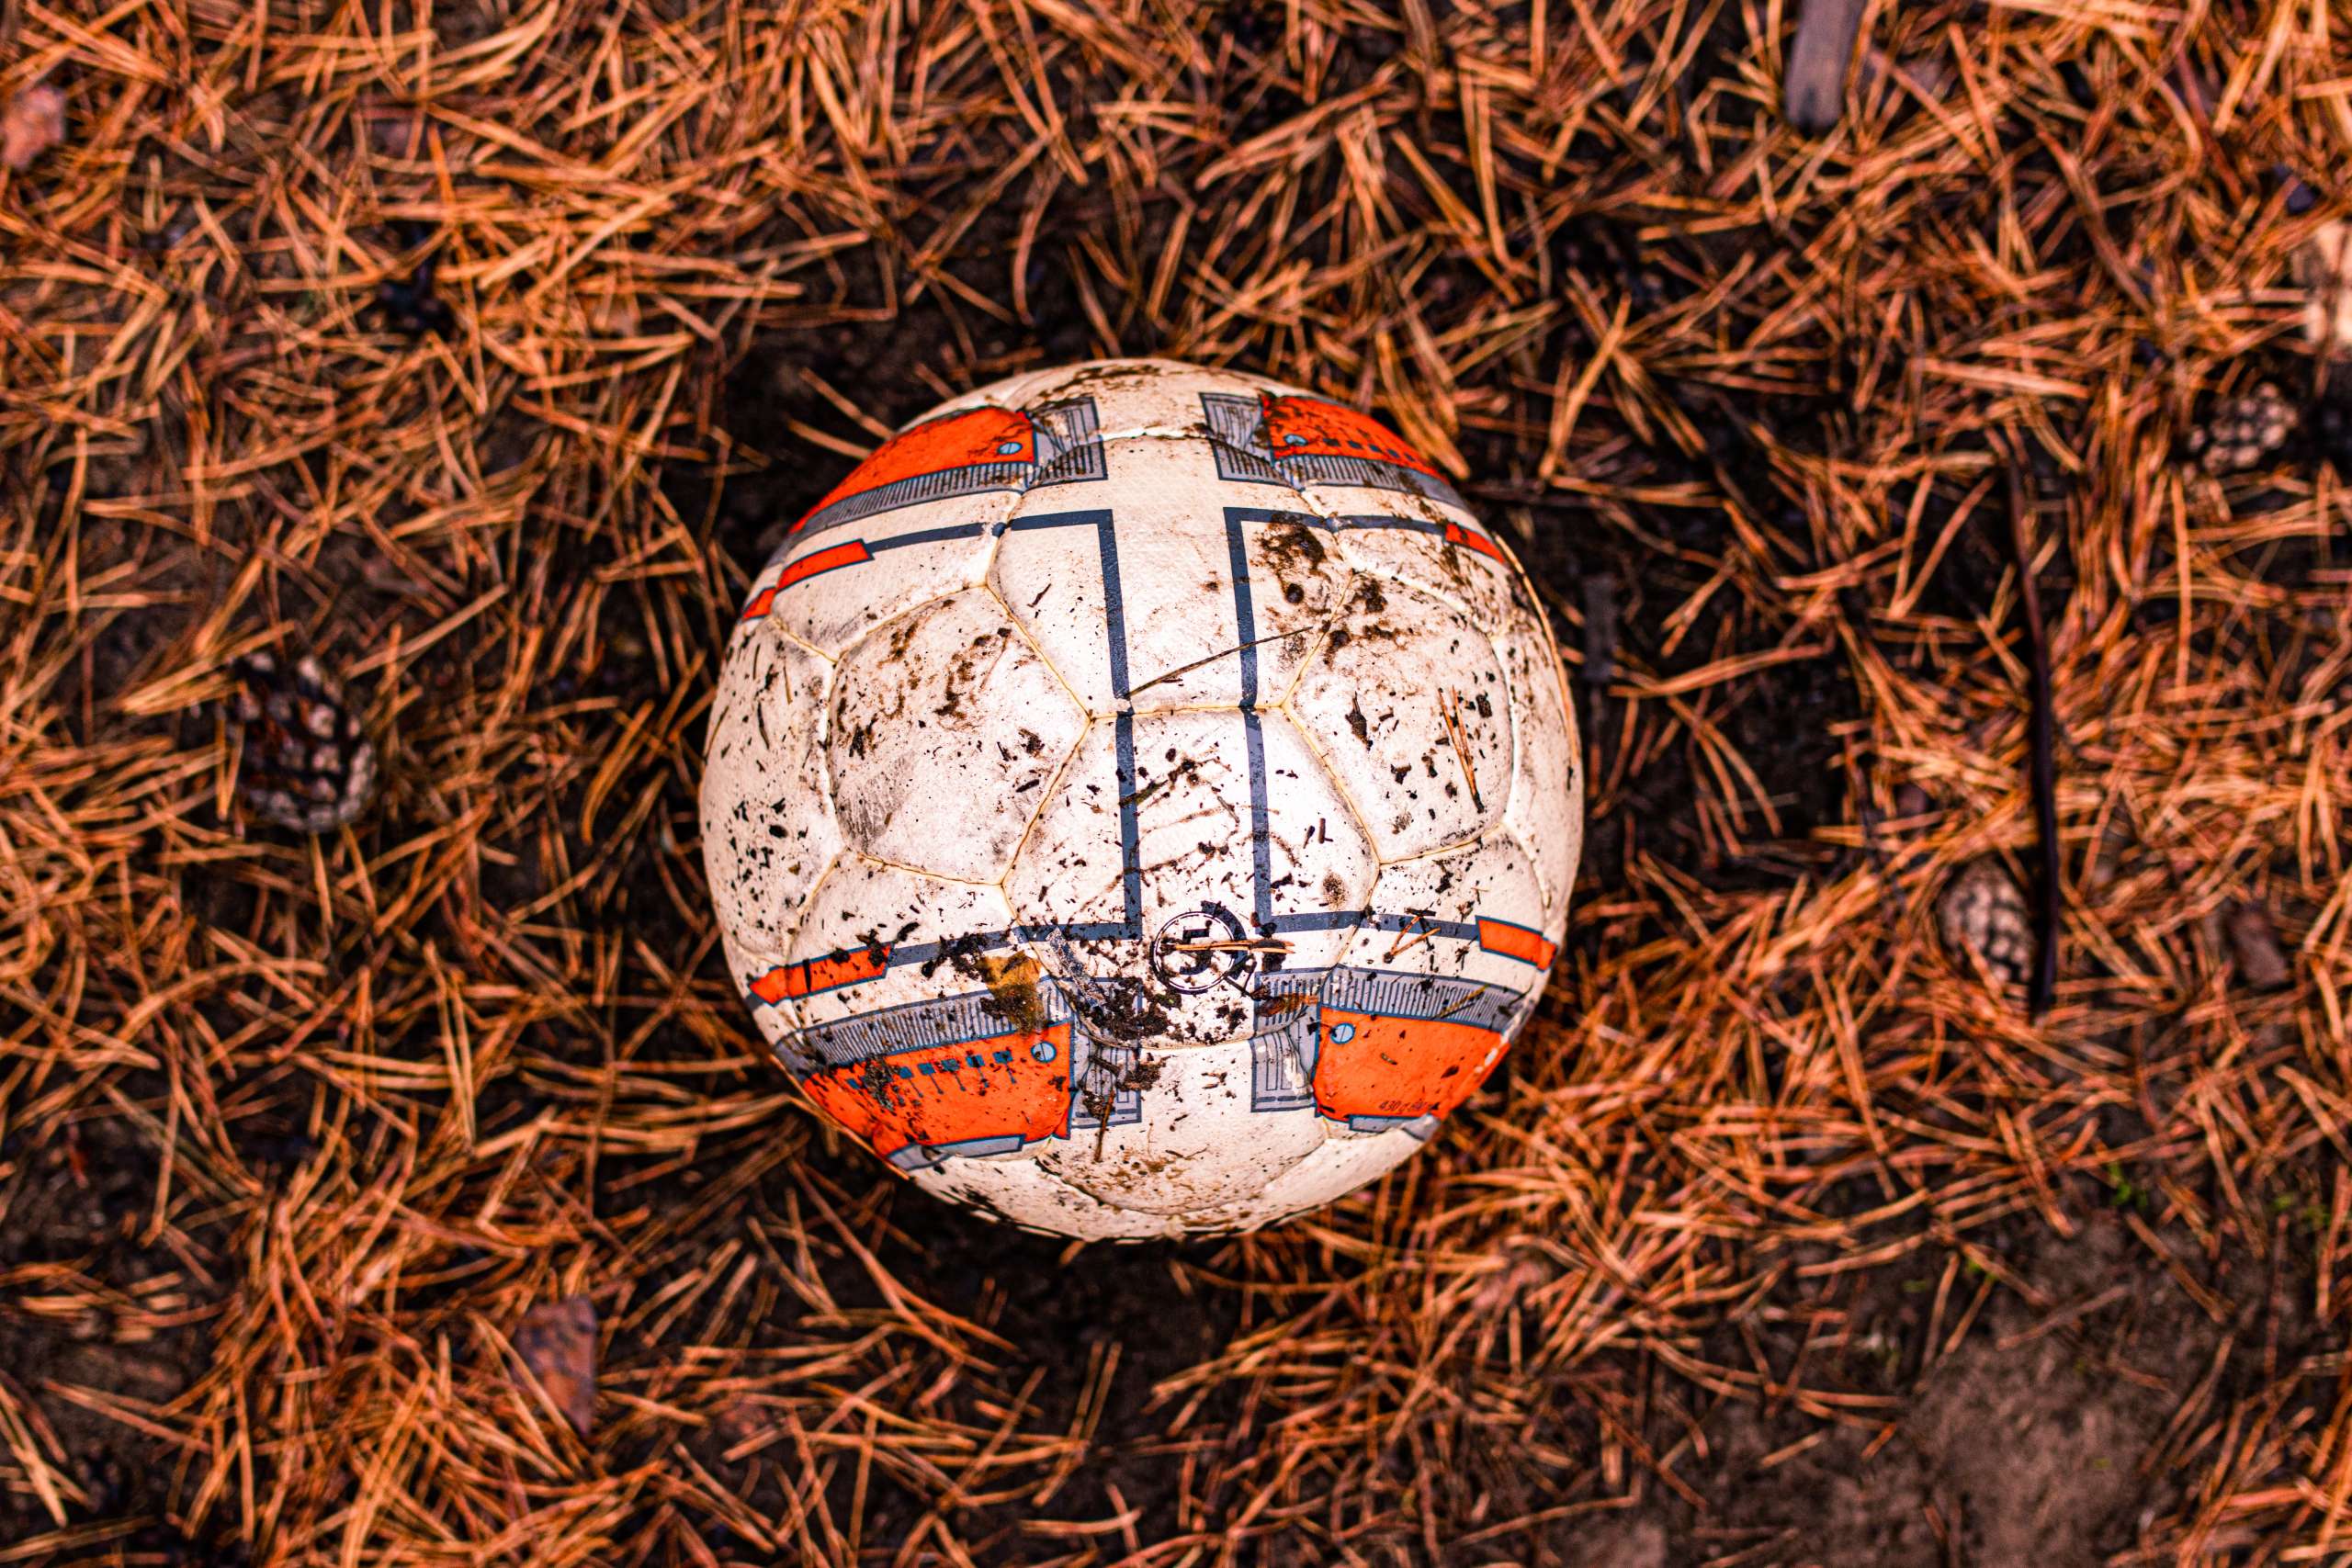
{"points": [[1201, 948]]}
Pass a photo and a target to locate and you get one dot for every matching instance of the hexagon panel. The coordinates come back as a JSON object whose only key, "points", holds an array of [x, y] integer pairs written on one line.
{"points": [[834, 581], [767, 831], [946, 730], [1406, 702], [1546, 809], [871, 929], [1431, 545]]}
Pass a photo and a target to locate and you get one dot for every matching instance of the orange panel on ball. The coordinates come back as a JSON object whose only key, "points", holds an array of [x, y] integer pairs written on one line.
{"points": [[1374, 1066], [1007, 1089], [830, 973], [1456, 533], [1514, 941], [1309, 427], [957, 440]]}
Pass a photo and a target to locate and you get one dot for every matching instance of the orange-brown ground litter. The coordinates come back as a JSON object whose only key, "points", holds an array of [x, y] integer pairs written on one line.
{"points": [[480, 349]]}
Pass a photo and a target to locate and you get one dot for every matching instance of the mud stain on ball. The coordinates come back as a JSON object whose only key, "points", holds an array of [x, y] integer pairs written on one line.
{"points": [[1294, 552], [1106, 378], [1120, 1007], [1105, 1081]]}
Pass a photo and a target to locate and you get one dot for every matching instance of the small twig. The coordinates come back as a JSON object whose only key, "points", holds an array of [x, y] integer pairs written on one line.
{"points": [[1419, 933], [1461, 748], [2045, 747], [1227, 653], [1600, 666], [1245, 944]]}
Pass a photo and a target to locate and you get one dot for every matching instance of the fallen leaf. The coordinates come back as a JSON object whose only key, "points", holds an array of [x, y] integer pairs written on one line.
{"points": [[1815, 88], [557, 1344], [2262, 963], [32, 123]]}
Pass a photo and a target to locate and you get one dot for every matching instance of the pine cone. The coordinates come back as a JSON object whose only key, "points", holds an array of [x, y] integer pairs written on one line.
{"points": [[304, 764], [1983, 914], [2241, 431]]}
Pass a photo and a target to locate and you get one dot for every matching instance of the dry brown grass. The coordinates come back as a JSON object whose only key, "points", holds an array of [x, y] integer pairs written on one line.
{"points": [[292, 1133]]}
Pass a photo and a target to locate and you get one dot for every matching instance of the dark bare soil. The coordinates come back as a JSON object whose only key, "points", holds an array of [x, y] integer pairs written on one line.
{"points": [[2043, 1434]]}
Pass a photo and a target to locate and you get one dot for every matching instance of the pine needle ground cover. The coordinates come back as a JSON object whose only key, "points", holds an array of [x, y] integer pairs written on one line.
{"points": [[390, 1174]]}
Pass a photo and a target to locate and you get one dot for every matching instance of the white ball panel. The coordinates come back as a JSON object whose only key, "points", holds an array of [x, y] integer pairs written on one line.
{"points": [[1472, 913], [1546, 809], [1339, 1166], [831, 587], [1182, 1136], [1018, 1192], [1407, 705], [945, 727], [768, 829], [1433, 544], [864, 921]]}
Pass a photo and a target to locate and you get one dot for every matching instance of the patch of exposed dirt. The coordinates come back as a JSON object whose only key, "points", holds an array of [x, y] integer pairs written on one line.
{"points": [[90, 1315], [2039, 1439]]}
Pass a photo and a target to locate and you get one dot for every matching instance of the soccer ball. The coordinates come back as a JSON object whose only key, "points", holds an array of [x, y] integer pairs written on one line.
{"points": [[1141, 800]]}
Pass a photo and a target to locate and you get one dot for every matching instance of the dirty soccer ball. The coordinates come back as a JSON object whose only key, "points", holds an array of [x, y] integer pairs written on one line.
{"points": [[1142, 800]]}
